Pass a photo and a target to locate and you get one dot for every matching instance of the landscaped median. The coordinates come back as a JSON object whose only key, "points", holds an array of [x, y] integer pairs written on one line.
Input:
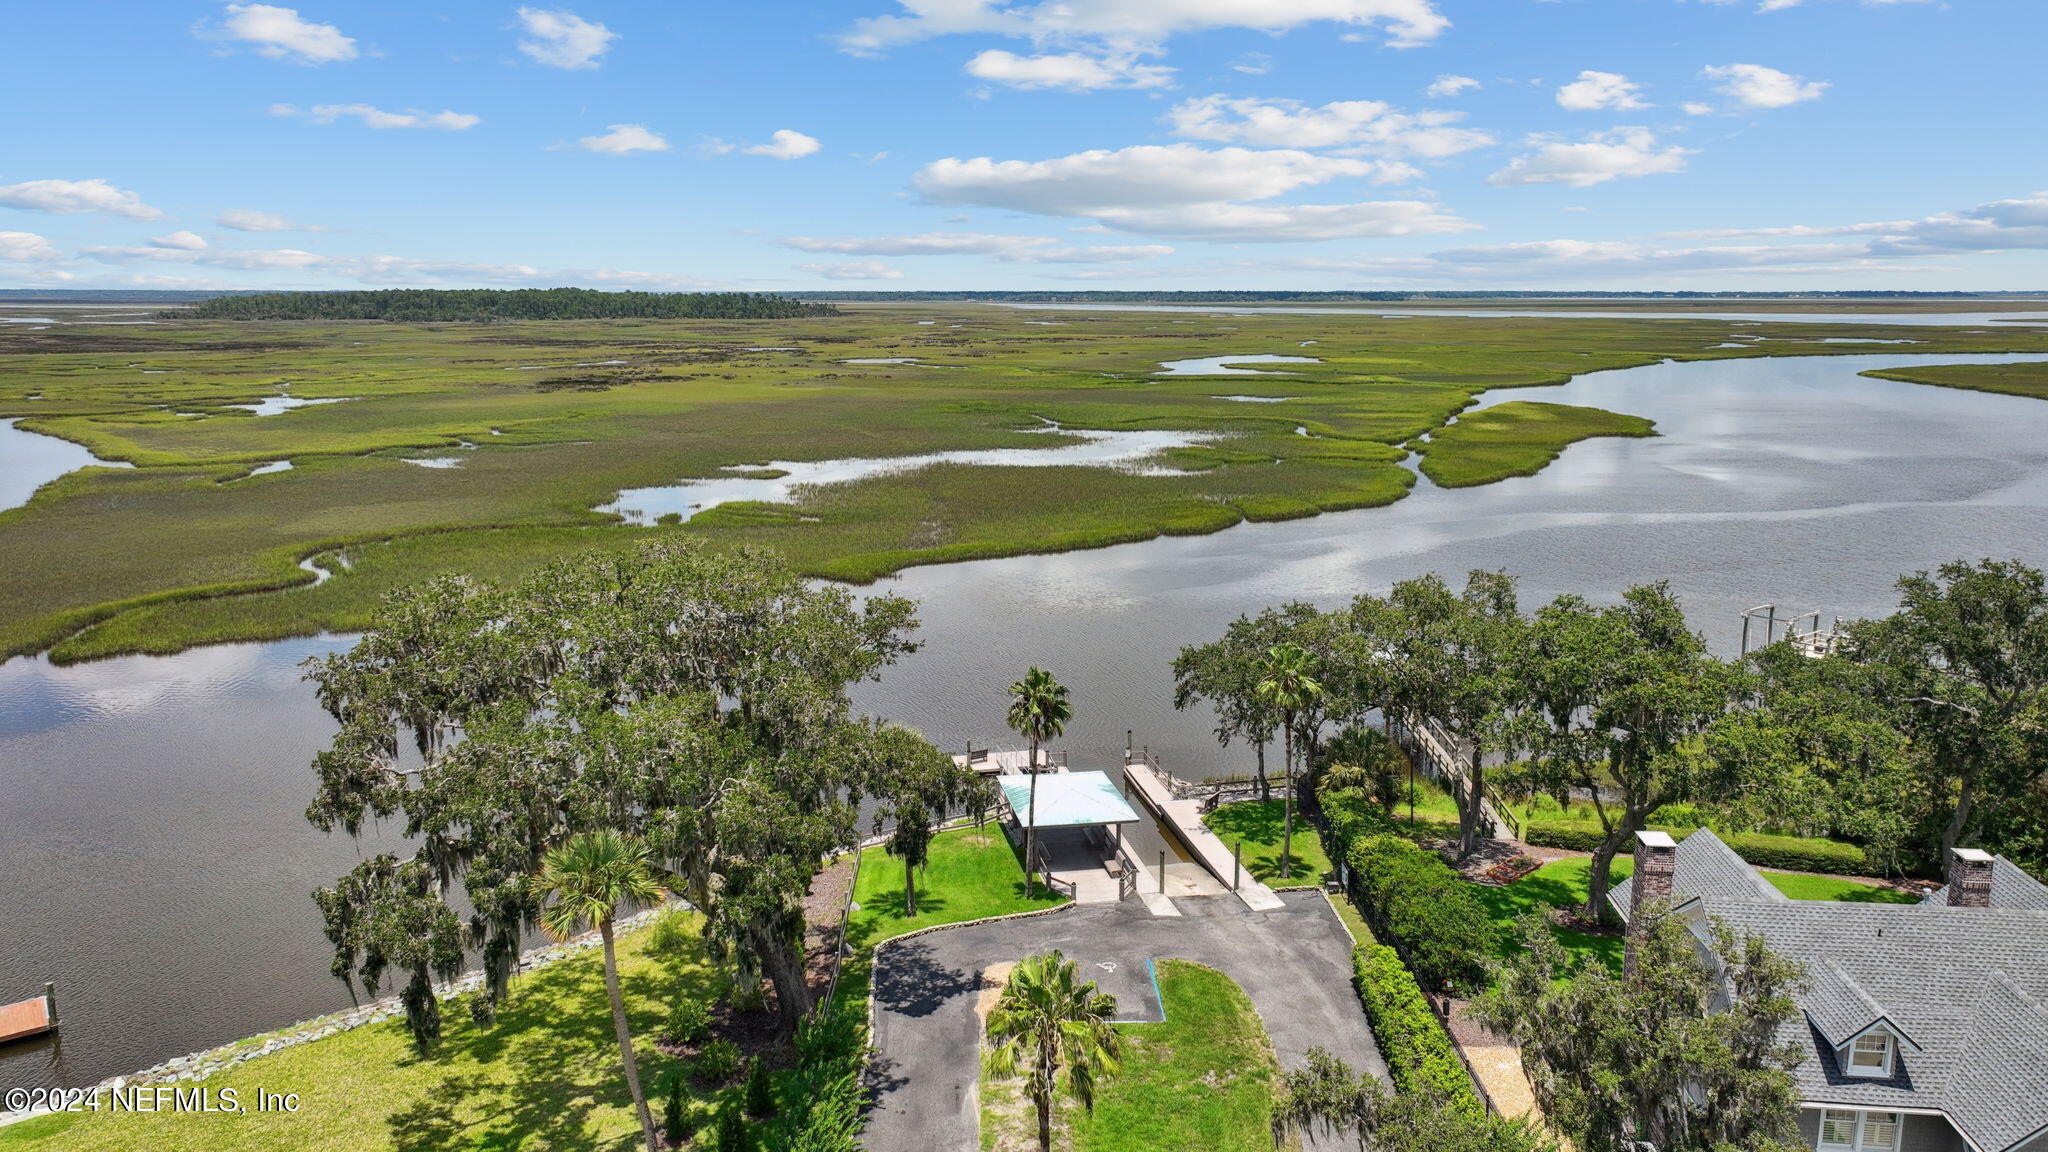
{"points": [[1201, 1080]]}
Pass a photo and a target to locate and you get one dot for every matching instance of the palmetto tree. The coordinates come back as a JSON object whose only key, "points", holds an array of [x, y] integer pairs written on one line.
{"points": [[1047, 1019], [1288, 683], [1038, 712], [588, 880]]}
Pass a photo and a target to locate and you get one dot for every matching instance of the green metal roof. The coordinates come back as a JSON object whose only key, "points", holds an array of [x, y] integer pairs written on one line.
{"points": [[1068, 800]]}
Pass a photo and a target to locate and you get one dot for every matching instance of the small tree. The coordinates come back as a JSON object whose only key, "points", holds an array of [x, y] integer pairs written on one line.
{"points": [[588, 880], [1326, 1097], [1038, 712], [1655, 1056], [732, 1133], [759, 1093], [1047, 1019], [675, 1118], [1288, 684], [918, 785]]}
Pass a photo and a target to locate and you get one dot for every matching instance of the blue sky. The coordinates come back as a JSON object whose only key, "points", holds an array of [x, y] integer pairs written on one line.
{"points": [[1315, 144]]}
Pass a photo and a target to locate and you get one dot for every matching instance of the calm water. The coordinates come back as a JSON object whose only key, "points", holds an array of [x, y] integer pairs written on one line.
{"points": [[29, 460], [155, 861]]}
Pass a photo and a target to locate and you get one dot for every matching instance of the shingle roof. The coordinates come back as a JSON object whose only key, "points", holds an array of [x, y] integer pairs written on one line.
{"points": [[1966, 987], [2011, 887], [1707, 869]]}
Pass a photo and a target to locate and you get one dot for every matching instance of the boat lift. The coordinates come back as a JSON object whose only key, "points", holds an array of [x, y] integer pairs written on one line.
{"points": [[1803, 631]]}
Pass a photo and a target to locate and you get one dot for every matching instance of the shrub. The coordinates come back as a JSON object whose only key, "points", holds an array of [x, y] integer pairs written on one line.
{"points": [[671, 934], [759, 1094], [1416, 900], [732, 1134], [689, 1021], [1419, 1055], [718, 1063], [676, 1120], [1763, 849], [826, 1097]]}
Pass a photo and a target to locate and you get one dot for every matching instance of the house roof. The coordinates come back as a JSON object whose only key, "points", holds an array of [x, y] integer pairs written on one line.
{"points": [[1707, 870], [2011, 887], [1965, 988]]}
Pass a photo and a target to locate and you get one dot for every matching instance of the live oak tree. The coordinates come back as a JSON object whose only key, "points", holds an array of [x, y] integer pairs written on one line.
{"points": [[1964, 663], [1615, 701], [1225, 672], [1450, 658], [696, 698], [1674, 1053]]}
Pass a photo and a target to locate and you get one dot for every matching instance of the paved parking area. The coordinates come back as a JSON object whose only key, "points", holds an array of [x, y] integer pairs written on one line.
{"points": [[1293, 961]]}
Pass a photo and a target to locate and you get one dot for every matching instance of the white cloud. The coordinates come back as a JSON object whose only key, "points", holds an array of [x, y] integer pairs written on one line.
{"points": [[1070, 71], [1253, 64], [74, 197], [1405, 23], [26, 247], [1597, 90], [374, 117], [559, 38], [1998, 225], [1695, 108], [1361, 125], [383, 269], [1600, 157], [1008, 249], [250, 220], [785, 144], [854, 270], [1183, 190], [624, 140], [181, 240], [282, 34], [1448, 85], [1781, 5], [1755, 86]]}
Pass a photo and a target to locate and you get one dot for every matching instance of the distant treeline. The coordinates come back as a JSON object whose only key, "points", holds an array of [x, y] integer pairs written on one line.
{"points": [[416, 304], [1242, 297]]}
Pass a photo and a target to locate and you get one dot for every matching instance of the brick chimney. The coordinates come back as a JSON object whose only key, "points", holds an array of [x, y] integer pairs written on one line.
{"points": [[1656, 861], [1969, 878]]}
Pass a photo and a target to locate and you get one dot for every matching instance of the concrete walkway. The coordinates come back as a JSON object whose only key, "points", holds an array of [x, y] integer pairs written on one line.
{"points": [[1294, 961], [1185, 819]]}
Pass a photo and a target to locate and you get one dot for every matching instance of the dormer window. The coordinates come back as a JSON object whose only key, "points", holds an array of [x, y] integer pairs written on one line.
{"points": [[1871, 1054]]}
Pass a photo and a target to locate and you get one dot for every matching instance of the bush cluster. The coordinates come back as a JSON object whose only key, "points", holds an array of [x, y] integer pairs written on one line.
{"points": [[1418, 1052], [1411, 897], [1763, 849]]}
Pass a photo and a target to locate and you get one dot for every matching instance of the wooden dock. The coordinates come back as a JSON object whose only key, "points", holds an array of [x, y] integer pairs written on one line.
{"points": [[31, 1017]]}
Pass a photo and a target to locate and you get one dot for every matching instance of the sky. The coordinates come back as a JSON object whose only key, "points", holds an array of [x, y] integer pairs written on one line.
{"points": [[1058, 145]]}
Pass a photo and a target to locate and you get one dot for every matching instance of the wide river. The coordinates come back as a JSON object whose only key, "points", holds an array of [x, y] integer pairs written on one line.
{"points": [[155, 862]]}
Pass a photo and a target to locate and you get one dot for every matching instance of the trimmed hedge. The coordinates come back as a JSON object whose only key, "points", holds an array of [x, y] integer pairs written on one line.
{"points": [[1417, 1050], [1791, 853], [1423, 905]]}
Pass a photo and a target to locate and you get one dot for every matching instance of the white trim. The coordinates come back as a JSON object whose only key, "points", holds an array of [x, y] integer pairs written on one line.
{"points": [[1887, 1053], [1857, 1143], [1819, 1105]]}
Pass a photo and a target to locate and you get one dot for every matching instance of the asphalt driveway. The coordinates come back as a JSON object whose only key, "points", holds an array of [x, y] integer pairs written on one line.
{"points": [[1294, 962]]}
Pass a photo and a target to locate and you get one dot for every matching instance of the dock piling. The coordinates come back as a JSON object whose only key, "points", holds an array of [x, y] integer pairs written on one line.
{"points": [[50, 1000]]}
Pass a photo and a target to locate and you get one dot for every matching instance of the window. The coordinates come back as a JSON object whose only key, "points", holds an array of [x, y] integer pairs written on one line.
{"points": [[1871, 1055], [1844, 1130]]}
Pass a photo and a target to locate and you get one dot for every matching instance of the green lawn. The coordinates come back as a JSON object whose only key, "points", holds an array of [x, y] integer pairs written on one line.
{"points": [[974, 872], [546, 1077], [1202, 1081], [1564, 884], [1257, 825]]}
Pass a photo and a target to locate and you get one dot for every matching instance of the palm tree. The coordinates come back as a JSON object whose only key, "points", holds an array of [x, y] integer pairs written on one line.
{"points": [[1038, 712], [587, 880], [1045, 1018], [1287, 681]]}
